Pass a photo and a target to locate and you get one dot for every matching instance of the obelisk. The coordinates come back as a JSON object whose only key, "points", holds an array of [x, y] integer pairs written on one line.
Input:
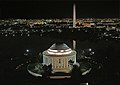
{"points": [[74, 23], [74, 15]]}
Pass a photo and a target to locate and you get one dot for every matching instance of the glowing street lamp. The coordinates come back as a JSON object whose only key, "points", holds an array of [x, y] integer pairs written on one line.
{"points": [[27, 50]]}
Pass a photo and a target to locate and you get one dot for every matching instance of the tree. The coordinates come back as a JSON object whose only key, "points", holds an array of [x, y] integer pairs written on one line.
{"points": [[47, 69], [76, 73], [71, 62]]}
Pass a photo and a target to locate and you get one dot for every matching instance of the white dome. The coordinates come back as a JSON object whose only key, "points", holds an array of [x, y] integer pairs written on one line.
{"points": [[59, 46], [59, 49]]}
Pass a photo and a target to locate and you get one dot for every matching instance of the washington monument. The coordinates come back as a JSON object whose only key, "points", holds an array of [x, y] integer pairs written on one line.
{"points": [[74, 23], [74, 15]]}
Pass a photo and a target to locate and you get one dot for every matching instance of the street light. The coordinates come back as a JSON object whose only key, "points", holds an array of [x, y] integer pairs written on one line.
{"points": [[27, 50]]}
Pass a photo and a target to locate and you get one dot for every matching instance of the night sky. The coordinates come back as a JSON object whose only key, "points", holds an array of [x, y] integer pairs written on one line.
{"points": [[31, 9]]}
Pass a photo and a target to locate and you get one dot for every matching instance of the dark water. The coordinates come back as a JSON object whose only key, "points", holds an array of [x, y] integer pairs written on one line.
{"points": [[13, 62]]}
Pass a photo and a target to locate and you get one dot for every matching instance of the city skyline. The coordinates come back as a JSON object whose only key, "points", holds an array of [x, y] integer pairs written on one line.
{"points": [[58, 9], [86, 49]]}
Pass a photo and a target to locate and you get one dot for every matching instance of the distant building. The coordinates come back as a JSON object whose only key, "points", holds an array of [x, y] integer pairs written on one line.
{"points": [[60, 56]]}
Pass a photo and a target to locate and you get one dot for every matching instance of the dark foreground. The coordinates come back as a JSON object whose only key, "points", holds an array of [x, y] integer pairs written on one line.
{"points": [[13, 61]]}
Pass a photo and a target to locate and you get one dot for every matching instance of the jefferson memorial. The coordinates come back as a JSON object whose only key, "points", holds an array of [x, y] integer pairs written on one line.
{"points": [[59, 55]]}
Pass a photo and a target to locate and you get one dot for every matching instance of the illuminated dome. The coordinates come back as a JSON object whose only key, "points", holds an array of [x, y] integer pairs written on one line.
{"points": [[59, 55], [59, 46], [59, 49]]}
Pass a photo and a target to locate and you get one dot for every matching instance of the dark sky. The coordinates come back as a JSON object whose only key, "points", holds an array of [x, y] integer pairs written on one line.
{"points": [[58, 8]]}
